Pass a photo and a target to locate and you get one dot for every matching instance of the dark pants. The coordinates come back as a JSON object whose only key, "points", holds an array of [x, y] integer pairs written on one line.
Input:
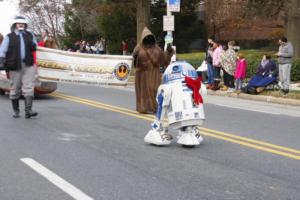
{"points": [[228, 80], [210, 73], [203, 75], [217, 73]]}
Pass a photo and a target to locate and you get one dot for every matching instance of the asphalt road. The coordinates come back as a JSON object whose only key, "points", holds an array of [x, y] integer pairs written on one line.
{"points": [[87, 143]]}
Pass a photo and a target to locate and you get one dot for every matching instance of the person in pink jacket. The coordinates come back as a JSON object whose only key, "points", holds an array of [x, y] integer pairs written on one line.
{"points": [[218, 50], [240, 72]]}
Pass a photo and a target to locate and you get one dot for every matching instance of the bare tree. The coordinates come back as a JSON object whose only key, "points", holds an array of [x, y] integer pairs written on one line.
{"points": [[45, 15], [89, 9]]}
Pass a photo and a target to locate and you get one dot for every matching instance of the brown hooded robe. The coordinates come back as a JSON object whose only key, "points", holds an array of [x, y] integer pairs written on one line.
{"points": [[147, 62]]}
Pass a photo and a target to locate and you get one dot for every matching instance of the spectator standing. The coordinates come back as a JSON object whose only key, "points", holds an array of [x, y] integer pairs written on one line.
{"points": [[83, 47], [209, 62], [240, 72], [76, 47], [47, 41], [51, 43], [101, 46], [97, 46], [88, 48], [218, 50], [228, 62], [44, 38], [124, 47], [285, 59]]}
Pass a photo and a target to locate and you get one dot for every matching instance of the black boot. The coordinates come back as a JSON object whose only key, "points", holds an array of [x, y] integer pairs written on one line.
{"points": [[28, 105], [16, 109], [216, 85]]}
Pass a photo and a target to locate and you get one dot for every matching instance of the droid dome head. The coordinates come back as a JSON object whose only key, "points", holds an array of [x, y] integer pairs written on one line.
{"points": [[176, 71]]}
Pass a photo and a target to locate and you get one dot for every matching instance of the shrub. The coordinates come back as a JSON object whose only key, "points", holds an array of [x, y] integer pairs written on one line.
{"points": [[252, 67], [253, 58], [295, 72]]}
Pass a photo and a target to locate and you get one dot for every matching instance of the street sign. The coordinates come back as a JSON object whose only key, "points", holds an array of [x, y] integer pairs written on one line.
{"points": [[169, 38], [169, 22], [173, 5]]}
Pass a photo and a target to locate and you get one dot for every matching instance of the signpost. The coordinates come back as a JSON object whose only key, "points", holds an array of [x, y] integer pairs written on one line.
{"points": [[169, 21]]}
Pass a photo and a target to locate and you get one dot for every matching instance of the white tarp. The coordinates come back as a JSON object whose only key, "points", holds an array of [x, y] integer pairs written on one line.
{"points": [[66, 66]]}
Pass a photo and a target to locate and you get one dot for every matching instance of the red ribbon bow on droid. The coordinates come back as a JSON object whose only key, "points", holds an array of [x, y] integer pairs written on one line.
{"points": [[195, 85]]}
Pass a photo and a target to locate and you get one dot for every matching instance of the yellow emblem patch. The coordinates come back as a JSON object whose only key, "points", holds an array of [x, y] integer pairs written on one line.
{"points": [[122, 71]]}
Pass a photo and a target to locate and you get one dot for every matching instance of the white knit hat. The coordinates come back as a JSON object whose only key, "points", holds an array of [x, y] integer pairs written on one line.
{"points": [[20, 20]]}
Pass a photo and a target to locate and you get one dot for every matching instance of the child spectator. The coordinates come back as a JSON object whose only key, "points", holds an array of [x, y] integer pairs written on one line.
{"points": [[240, 72]]}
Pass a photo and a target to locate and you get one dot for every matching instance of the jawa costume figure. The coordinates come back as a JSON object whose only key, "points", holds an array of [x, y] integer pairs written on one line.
{"points": [[148, 59]]}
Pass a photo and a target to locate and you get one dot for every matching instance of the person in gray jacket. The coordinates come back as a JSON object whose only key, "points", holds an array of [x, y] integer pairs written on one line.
{"points": [[16, 57], [285, 60]]}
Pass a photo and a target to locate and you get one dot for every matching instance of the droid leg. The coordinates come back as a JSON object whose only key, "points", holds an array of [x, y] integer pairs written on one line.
{"points": [[189, 136], [158, 134]]}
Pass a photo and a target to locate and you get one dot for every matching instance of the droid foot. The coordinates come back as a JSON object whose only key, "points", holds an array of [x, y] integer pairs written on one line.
{"points": [[189, 139], [199, 137], [155, 137]]}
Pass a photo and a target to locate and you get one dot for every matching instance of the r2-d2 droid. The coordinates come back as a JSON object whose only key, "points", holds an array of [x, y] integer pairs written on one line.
{"points": [[178, 98]]}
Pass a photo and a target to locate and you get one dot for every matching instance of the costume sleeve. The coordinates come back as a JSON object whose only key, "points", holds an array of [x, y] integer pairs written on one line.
{"points": [[4, 47], [167, 55]]}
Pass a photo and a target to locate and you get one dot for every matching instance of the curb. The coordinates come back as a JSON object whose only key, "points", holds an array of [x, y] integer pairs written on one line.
{"points": [[269, 99]]}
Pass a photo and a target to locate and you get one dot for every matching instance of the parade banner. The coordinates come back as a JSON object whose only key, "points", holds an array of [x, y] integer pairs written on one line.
{"points": [[76, 67]]}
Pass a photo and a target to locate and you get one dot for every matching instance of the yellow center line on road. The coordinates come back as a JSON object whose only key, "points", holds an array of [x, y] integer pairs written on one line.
{"points": [[253, 146], [249, 140], [56, 94], [251, 143], [103, 106]]}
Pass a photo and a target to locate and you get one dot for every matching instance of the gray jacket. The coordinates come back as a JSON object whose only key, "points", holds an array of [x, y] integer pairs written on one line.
{"points": [[286, 52]]}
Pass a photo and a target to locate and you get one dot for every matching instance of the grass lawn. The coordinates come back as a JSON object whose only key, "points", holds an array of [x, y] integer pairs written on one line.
{"points": [[277, 93]]}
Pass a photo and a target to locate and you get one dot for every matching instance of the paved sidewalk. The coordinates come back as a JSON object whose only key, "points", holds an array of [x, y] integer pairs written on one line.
{"points": [[295, 86], [270, 99]]}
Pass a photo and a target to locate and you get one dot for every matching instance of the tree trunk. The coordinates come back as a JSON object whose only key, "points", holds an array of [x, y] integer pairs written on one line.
{"points": [[142, 16], [292, 25]]}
